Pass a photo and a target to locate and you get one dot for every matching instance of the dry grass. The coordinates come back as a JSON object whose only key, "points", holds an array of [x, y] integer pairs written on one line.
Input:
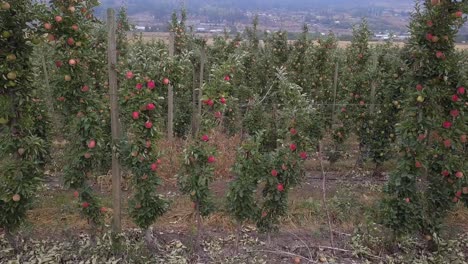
{"points": [[172, 151], [57, 212]]}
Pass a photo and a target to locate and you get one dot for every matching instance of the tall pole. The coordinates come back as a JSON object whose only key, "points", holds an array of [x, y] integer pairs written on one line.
{"points": [[115, 124], [170, 94], [200, 88]]}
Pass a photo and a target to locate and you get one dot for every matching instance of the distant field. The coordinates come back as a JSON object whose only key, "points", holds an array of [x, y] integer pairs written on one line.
{"points": [[148, 36]]}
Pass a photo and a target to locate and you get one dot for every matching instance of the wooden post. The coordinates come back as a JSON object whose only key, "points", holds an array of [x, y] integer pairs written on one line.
{"points": [[200, 88], [335, 86], [194, 102], [374, 83], [115, 124], [170, 95]]}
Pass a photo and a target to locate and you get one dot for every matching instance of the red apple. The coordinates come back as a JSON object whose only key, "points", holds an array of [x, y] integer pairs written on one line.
{"points": [[218, 115], [87, 155], [418, 164], [463, 138], [85, 205], [280, 187], [222, 100], [50, 37], [227, 78], [150, 107], [461, 90], [76, 194], [166, 81], [205, 138], [421, 137], [139, 86], [71, 9], [303, 155], [85, 88], [454, 113], [455, 98], [129, 75], [459, 14], [419, 87], [445, 173], [70, 41], [429, 23], [58, 19], [447, 143], [58, 64], [72, 62], [429, 36], [75, 27], [440, 55], [135, 115], [211, 159], [407, 200], [459, 174], [148, 124], [292, 147], [103, 209], [293, 131], [92, 144], [447, 124], [274, 173], [151, 85], [154, 167], [48, 26]]}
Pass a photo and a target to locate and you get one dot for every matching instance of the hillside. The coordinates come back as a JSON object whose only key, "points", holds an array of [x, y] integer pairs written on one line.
{"points": [[162, 7]]}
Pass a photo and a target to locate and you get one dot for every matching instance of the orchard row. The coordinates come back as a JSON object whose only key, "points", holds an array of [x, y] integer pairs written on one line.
{"points": [[283, 98]]}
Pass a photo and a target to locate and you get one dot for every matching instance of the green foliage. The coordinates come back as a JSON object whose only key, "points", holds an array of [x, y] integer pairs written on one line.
{"points": [[249, 170], [197, 173], [23, 129], [141, 112], [432, 131], [76, 87]]}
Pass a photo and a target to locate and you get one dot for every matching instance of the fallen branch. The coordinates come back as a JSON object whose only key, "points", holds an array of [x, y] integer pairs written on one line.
{"points": [[279, 252]]}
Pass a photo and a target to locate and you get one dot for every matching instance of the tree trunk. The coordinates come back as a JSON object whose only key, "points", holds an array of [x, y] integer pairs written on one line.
{"points": [[11, 239]]}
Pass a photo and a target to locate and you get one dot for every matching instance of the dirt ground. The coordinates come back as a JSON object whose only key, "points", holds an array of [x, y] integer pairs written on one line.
{"points": [[304, 232]]}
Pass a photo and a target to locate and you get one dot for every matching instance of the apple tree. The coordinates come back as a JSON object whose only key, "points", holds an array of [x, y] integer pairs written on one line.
{"points": [[23, 149], [141, 110], [68, 27], [431, 174]]}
